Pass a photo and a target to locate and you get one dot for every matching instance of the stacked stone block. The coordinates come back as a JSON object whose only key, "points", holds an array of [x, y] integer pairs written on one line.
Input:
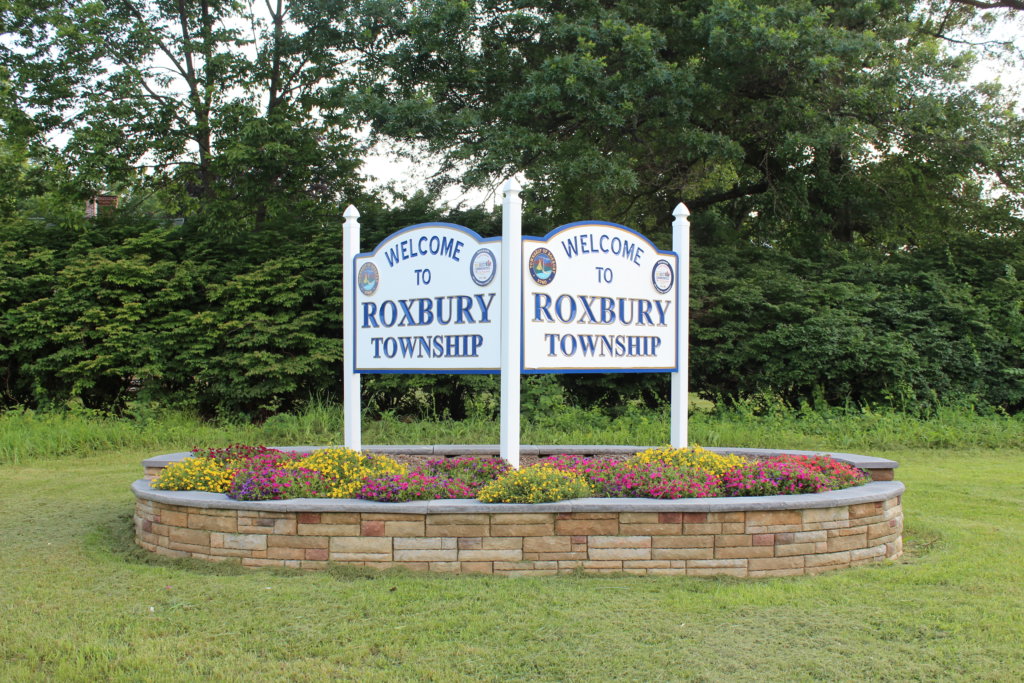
{"points": [[751, 543]]}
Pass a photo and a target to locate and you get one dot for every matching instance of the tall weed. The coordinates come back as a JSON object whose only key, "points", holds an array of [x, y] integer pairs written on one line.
{"points": [[27, 435]]}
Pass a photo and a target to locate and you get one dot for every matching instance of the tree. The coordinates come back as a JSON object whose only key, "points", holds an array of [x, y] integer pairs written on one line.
{"points": [[791, 121], [1015, 5], [219, 107], [207, 109]]}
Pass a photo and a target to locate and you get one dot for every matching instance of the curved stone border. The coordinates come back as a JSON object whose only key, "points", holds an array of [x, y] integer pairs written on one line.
{"points": [[746, 537]]}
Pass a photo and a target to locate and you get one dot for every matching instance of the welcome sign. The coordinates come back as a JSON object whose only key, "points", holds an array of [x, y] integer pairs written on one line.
{"points": [[598, 297], [587, 297], [427, 300]]}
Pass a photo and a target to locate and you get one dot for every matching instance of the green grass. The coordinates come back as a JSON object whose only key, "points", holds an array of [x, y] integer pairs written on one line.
{"points": [[80, 602], [27, 436]]}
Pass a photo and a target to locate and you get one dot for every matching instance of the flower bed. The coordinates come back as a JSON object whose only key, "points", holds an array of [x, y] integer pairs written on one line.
{"points": [[260, 473], [697, 515]]}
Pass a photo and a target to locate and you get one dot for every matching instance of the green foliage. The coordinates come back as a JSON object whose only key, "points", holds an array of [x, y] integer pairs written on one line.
{"points": [[129, 310], [133, 309], [788, 127], [221, 110], [914, 329], [27, 436], [792, 121]]}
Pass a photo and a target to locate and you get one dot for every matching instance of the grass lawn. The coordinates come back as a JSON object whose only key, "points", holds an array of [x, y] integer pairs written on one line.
{"points": [[79, 602]]}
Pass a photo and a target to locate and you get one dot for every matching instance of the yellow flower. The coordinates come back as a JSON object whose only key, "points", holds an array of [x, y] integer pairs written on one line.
{"points": [[195, 474], [537, 484], [694, 457], [346, 469]]}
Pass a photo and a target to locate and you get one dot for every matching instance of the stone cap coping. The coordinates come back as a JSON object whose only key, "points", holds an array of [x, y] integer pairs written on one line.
{"points": [[864, 462], [872, 492]]}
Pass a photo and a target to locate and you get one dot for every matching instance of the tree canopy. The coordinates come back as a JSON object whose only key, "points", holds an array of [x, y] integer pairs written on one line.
{"points": [[856, 196], [220, 110], [791, 120]]}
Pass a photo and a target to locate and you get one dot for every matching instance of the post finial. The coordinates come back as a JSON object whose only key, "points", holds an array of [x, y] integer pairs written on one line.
{"points": [[681, 211], [351, 212], [512, 186]]}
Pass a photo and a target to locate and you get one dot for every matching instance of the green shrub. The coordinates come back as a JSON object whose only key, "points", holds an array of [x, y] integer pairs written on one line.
{"points": [[130, 311], [915, 329]]}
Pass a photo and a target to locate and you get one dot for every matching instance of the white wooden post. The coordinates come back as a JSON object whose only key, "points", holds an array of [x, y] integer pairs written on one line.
{"points": [[351, 386], [681, 378], [511, 314]]}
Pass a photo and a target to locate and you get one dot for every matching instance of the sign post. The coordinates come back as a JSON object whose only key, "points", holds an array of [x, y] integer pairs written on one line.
{"points": [[351, 387], [681, 377], [511, 295]]}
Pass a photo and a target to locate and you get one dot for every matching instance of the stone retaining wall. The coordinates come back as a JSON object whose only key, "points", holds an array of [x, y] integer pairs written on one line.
{"points": [[745, 537]]}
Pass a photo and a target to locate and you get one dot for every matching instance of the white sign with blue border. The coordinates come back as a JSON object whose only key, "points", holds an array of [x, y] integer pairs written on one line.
{"points": [[427, 300], [598, 297]]}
